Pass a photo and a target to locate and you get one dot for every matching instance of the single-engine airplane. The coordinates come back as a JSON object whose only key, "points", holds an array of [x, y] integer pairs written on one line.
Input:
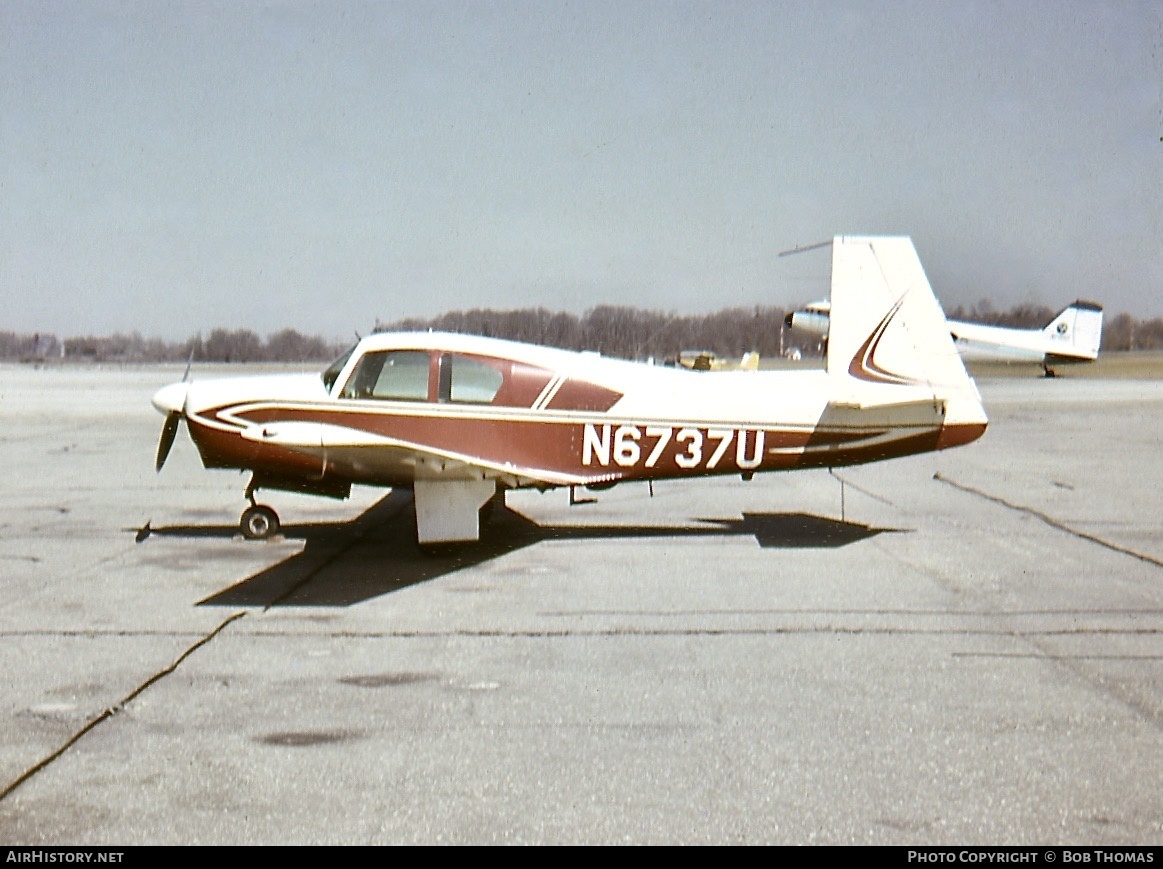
{"points": [[460, 419], [1074, 335]]}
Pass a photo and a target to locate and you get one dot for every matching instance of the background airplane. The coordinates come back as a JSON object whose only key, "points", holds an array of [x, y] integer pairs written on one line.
{"points": [[459, 419], [705, 360], [1074, 335]]}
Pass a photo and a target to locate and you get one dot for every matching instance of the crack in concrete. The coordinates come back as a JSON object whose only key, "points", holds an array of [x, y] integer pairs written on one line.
{"points": [[115, 709], [1077, 664], [1049, 520]]}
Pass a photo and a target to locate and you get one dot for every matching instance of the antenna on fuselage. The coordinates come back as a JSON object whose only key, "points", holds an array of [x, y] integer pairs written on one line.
{"points": [[806, 247]]}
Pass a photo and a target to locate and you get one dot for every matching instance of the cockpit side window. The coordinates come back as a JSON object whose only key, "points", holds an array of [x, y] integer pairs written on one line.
{"points": [[464, 380], [396, 375]]}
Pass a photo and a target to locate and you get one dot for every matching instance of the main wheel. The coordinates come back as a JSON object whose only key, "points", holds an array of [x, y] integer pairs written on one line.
{"points": [[259, 522]]}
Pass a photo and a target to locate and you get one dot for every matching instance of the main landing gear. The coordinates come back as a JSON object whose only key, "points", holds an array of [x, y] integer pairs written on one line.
{"points": [[259, 522]]}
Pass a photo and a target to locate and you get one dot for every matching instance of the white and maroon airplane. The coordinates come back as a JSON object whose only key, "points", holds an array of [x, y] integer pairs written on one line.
{"points": [[459, 418]]}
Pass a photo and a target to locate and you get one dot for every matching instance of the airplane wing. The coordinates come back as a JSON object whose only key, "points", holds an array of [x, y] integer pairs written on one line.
{"points": [[391, 459], [448, 488]]}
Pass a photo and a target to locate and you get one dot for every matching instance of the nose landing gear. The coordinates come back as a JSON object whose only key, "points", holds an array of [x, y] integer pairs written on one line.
{"points": [[259, 522]]}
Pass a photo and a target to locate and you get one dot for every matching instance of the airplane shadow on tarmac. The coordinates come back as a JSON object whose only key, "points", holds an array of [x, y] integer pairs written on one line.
{"points": [[346, 563]]}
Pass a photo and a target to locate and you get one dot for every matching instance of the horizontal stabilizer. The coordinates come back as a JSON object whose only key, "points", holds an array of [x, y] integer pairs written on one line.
{"points": [[923, 414]]}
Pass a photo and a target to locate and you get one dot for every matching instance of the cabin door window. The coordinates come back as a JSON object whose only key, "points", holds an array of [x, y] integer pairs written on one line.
{"points": [[465, 380]]}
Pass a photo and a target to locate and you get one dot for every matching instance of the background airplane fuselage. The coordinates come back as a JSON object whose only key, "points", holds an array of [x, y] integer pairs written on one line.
{"points": [[1058, 342], [1074, 335]]}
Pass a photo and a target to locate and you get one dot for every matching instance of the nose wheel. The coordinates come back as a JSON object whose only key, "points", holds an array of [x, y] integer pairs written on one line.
{"points": [[259, 522]]}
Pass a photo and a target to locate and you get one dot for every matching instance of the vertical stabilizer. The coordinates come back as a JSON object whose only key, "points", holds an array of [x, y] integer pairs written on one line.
{"points": [[886, 325], [1076, 332], [889, 345]]}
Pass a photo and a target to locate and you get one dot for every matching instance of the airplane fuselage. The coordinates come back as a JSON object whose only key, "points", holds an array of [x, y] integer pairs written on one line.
{"points": [[563, 419], [1075, 335], [977, 342]]}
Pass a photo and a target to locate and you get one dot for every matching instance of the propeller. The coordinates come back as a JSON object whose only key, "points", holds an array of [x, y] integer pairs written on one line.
{"points": [[171, 400], [169, 432]]}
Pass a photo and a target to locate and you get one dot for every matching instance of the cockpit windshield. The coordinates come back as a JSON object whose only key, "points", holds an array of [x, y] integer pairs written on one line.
{"points": [[336, 368]]}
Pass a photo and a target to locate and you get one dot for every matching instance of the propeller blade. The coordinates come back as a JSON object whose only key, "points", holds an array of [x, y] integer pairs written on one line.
{"points": [[189, 362], [169, 431]]}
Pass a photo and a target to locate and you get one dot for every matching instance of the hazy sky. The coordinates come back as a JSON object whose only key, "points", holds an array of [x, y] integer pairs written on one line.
{"points": [[172, 167]]}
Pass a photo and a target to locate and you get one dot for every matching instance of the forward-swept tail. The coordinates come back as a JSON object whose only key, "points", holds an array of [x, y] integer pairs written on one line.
{"points": [[886, 325], [888, 340]]}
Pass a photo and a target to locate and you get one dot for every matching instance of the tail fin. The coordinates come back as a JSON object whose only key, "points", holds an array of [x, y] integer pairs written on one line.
{"points": [[886, 325], [889, 343], [1076, 332], [891, 358]]}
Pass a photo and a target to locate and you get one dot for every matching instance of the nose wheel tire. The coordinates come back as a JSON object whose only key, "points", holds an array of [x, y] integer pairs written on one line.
{"points": [[259, 522]]}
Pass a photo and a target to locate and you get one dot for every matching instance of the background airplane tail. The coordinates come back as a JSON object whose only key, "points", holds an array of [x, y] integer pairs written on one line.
{"points": [[886, 326], [1077, 330]]}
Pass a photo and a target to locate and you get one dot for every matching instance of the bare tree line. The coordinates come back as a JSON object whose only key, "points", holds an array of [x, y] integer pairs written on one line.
{"points": [[613, 330], [623, 331], [637, 334], [222, 345]]}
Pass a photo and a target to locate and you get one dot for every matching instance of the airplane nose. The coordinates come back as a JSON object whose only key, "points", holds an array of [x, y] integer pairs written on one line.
{"points": [[172, 398]]}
